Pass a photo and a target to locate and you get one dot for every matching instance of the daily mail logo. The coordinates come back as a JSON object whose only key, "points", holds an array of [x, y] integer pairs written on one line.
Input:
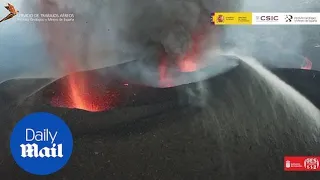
{"points": [[34, 151], [41, 143]]}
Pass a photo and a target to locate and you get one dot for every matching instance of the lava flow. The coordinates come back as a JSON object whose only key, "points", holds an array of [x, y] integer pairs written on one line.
{"points": [[80, 94]]}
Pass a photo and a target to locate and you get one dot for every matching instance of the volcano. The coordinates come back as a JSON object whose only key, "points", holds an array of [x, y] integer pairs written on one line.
{"points": [[125, 128]]}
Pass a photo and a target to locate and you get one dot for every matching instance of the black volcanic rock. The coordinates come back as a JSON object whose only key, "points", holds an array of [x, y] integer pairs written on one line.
{"points": [[141, 138], [306, 82]]}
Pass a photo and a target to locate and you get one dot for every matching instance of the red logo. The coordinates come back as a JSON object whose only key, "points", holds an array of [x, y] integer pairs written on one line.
{"points": [[220, 18], [301, 163]]}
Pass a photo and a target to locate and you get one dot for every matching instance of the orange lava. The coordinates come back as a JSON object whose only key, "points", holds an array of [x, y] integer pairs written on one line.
{"points": [[188, 65], [80, 94], [78, 100], [188, 62]]}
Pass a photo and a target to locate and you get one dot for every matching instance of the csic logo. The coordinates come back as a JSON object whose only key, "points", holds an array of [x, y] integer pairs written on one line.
{"points": [[289, 18], [41, 143], [268, 18]]}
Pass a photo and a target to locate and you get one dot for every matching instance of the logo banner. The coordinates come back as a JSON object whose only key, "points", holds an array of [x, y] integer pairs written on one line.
{"points": [[260, 18], [301, 163]]}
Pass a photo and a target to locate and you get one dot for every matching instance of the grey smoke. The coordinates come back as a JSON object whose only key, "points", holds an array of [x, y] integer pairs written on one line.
{"points": [[106, 33]]}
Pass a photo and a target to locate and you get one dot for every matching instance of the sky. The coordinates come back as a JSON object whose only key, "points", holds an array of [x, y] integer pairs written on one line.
{"points": [[21, 48]]}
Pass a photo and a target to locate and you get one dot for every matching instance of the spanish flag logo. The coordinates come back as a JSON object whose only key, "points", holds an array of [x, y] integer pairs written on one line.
{"points": [[231, 18]]}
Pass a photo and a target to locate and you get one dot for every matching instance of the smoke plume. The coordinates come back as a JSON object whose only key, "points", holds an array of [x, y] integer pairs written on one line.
{"points": [[158, 35], [106, 33]]}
